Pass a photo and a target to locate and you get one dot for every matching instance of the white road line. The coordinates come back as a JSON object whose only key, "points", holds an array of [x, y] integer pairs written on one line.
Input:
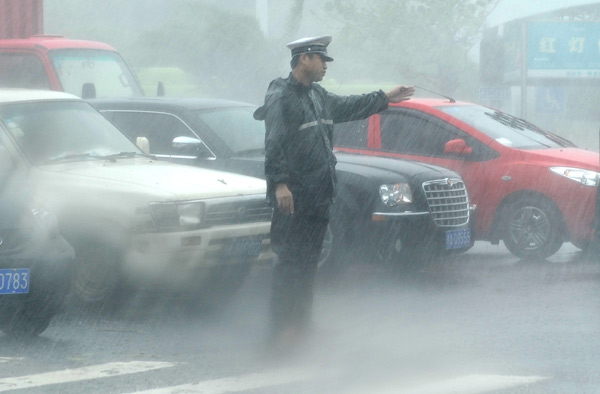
{"points": [[77, 374], [469, 384], [238, 383], [7, 359]]}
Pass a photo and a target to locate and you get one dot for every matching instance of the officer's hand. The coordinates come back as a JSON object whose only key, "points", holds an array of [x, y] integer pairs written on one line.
{"points": [[400, 93], [285, 200]]}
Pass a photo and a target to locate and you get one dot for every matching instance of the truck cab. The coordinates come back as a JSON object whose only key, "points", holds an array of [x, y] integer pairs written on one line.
{"points": [[87, 69]]}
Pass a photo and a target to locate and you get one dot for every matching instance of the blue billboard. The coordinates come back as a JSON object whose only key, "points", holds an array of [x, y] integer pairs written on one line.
{"points": [[563, 50]]}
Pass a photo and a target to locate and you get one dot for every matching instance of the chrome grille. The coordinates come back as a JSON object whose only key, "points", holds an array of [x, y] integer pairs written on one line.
{"points": [[448, 202], [237, 210]]}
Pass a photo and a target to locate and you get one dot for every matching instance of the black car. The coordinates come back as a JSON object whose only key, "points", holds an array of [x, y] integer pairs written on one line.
{"points": [[386, 207], [35, 260]]}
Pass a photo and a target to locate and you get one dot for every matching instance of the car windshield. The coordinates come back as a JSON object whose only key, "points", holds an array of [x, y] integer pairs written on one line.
{"points": [[104, 69], [52, 131], [231, 123], [506, 129]]}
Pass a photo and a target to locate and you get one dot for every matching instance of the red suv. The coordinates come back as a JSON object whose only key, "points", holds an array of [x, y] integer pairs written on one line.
{"points": [[534, 190]]}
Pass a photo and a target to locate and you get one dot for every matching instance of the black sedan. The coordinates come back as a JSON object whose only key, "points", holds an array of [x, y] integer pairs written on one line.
{"points": [[35, 260], [389, 208]]}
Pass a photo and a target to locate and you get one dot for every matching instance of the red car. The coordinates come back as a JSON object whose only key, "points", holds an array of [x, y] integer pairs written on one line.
{"points": [[534, 190]]}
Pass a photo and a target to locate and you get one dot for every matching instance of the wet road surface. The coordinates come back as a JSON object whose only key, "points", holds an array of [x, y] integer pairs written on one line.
{"points": [[475, 323]]}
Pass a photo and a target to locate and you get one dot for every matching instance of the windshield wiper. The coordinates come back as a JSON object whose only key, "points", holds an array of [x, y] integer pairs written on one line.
{"points": [[71, 156], [124, 155]]}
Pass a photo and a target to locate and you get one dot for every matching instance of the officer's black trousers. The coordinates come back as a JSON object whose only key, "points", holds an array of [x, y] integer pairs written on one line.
{"points": [[297, 241]]}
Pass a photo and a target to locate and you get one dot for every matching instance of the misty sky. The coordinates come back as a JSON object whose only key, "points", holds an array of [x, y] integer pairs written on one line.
{"points": [[514, 9]]}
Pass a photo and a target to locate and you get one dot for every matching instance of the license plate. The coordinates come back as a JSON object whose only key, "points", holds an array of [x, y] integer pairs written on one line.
{"points": [[242, 249], [14, 281], [458, 238]]}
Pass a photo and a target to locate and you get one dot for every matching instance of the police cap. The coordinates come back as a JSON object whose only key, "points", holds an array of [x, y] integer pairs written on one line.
{"points": [[311, 45]]}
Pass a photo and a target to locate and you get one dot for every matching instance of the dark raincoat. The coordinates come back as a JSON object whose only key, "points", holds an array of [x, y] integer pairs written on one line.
{"points": [[299, 136]]}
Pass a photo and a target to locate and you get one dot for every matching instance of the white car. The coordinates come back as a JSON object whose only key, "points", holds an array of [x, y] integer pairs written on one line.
{"points": [[132, 219]]}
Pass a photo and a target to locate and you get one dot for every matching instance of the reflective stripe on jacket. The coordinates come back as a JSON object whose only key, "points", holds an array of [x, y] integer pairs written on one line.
{"points": [[299, 123]]}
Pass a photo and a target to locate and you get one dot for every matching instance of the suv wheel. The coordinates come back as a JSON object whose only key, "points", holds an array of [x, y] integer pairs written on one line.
{"points": [[532, 229], [96, 273]]}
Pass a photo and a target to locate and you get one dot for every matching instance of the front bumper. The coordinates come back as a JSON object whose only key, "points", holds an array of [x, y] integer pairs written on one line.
{"points": [[395, 233], [178, 260], [51, 267]]}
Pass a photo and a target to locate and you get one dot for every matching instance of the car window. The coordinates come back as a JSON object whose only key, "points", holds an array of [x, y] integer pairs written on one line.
{"points": [[506, 129], [106, 70], [51, 130], [412, 132], [236, 128], [22, 71], [159, 128], [351, 134], [405, 133]]}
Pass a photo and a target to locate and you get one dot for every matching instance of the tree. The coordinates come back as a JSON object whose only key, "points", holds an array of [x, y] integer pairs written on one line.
{"points": [[421, 42]]}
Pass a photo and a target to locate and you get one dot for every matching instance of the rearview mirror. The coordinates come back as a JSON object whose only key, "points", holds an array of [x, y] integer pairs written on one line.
{"points": [[458, 147], [88, 91]]}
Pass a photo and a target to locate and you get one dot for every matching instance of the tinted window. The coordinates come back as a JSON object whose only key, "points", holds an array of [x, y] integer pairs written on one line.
{"points": [[412, 132], [160, 129], [504, 128], [408, 133], [236, 128], [22, 71], [351, 134]]}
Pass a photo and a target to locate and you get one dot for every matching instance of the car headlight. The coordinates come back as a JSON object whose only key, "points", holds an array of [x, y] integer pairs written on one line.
{"points": [[396, 194], [174, 215], [585, 177]]}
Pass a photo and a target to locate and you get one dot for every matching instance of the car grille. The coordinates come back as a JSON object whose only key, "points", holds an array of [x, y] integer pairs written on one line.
{"points": [[448, 202], [235, 211]]}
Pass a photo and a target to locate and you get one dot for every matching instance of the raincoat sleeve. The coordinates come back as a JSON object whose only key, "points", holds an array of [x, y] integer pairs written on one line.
{"points": [[276, 165], [355, 107]]}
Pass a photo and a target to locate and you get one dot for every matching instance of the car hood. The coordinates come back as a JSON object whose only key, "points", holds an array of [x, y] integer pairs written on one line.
{"points": [[168, 180], [572, 157], [373, 164]]}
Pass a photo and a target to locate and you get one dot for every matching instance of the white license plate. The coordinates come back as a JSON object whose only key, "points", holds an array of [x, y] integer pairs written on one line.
{"points": [[459, 238], [242, 249], [14, 281]]}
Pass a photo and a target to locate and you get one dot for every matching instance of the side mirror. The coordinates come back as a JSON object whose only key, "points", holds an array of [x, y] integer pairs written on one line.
{"points": [[88, 91], [190, 146], [186, 143], [458, 147], [160, 89]]}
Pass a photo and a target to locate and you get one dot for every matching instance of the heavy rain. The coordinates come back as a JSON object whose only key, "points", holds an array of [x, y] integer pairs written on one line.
{"points": [[461, 251]]}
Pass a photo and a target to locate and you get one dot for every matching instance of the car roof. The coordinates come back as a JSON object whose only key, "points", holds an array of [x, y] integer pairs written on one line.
{"points": [[189, 103], [430, 102], [10, 95], [50, 42]]}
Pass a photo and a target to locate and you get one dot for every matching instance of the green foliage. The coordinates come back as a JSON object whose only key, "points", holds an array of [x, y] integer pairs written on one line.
{"points": [[222, 52], [420, 42]]}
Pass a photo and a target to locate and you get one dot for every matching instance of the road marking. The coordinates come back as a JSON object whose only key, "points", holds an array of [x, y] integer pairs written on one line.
{"points": [[7, 359], [238, 383], [77, 374], [469, 384]]}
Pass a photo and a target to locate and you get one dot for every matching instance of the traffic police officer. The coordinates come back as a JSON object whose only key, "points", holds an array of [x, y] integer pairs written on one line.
{"points": [[300, 171]]}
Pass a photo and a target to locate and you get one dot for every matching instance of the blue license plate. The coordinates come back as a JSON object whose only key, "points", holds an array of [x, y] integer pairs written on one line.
{"points": [[242, 249], [459, 238], [14, 281]]}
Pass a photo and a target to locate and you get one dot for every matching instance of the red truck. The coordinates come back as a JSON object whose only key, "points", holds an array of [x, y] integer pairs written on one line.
{"points": [[29, 59], [84, 68]]}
